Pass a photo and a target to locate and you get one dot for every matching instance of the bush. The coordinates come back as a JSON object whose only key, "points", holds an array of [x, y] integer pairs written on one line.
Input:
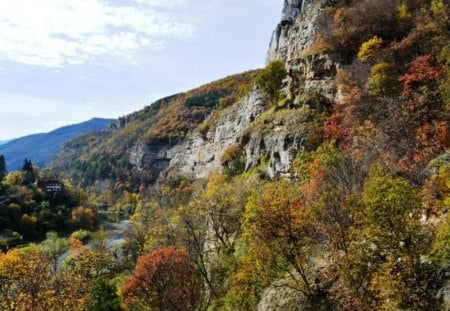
{"points": [[382, 81], [346, 27], [368, 49]]}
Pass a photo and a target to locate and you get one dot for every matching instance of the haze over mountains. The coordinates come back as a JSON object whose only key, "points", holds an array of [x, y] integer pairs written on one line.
{"points": [[41, 148]]}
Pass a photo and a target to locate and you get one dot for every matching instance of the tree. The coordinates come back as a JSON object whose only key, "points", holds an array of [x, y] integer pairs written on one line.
{"points": [[391, 227], [163, 280], [382, 82], [103, 297], [285, 225], [83, 218], [270, 81], [369, 49], [29, 175], [2, 167]]}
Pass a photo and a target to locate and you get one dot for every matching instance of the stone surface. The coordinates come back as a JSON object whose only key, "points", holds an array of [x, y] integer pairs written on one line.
{"points": [[294, 42], [277, 298], [276, 140], [152, 158], [291, 9], [199, 156]]}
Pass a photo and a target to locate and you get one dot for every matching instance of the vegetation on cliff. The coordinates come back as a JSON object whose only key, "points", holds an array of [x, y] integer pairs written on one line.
{"points": [[361, 223]]}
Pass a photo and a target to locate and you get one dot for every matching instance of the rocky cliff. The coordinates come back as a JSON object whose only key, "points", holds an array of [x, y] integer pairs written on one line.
{"points": [[275, 139], [167, 139], [295, 41]]}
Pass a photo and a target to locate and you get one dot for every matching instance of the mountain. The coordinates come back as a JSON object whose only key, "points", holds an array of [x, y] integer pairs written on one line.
{"points": [[40, 148], [2, 142], [144, 143], [187, 134], [320, 182]]}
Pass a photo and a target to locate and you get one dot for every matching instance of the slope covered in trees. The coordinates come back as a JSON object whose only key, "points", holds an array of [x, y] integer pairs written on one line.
{"points": [[360, 222], [96, 157], [41, 148]]}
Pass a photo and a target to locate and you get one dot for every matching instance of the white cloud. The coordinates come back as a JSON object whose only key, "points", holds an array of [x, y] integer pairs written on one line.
{"points": [[54, 33], [163, 3]]}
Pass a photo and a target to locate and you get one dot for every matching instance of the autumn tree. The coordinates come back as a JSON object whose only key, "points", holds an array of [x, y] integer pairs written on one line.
{"points": [[382, 82], [27, 282], [82, 218], [285, 225], [391, 210], [165, 279]]}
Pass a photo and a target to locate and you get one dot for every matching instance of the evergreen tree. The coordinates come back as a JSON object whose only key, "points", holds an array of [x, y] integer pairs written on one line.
{"points": [[29, 176], [2, 167]]}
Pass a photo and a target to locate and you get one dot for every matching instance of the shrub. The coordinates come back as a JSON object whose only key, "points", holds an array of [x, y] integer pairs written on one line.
{"points": [[230, 154], [422, 72], [233, 161], [103, 297], [368, 49], [382, 81]]}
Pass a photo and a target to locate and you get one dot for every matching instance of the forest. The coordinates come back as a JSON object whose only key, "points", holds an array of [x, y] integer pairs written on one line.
{"points": [[361, 222]]}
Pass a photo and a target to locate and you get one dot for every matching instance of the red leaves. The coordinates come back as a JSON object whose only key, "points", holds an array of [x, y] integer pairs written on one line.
{"points": [[165, 280], [422, 72], [335, 128]]}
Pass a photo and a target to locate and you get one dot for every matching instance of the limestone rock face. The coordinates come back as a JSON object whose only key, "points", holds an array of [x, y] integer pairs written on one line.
{"points": [[276, 139], [270, 139], [150, 157], [199, 156], [293, 41], [290, 10]]}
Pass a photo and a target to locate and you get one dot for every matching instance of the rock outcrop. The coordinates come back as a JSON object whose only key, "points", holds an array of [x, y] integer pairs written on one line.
{"points": [[295, 42], [292, 8], [198, 156], [270, 141]]}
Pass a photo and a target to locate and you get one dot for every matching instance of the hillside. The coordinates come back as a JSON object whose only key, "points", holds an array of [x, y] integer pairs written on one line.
{"points": [[40, 148], [134, 153], [320, 182]]}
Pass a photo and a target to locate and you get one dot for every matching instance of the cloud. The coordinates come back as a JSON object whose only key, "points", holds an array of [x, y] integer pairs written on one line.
{"points": [[56, 33]]}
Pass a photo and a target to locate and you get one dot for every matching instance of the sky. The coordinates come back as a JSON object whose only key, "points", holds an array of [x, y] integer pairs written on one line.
{"points": [[66, 61]]}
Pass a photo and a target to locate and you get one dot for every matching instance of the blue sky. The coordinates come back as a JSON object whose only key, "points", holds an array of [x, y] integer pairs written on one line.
{"points": [[66, 61]]}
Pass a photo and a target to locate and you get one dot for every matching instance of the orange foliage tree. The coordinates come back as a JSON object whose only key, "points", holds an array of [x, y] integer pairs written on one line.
{"points": [[164, 279], [28, 282]]}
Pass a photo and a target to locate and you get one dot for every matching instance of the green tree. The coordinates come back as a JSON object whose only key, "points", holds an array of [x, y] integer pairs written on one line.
{"points": [[392, 230], [2, 167], [103, 297], [382, 81], [270, 81], [29, 175]]}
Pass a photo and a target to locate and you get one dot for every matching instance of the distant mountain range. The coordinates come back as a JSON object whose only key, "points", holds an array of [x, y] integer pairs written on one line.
{"points": [[2, 142], [40, 148]]}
